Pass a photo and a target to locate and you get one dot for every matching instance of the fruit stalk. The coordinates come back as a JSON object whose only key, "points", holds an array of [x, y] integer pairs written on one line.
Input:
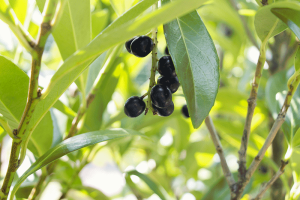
{"points": [[153, 67], [49, 15]]}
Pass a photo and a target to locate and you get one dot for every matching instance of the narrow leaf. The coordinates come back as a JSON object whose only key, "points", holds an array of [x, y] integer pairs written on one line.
{"points": [[152, 185], [289, 16], [196, 63], [69, 145]]}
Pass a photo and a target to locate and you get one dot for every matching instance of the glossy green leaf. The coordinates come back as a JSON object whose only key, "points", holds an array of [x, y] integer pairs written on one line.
{"points": [[109, 80], [152, 185], [196, 63], [265, 20], [276, 90], [99, 21], [290, 16], [121, 6], [13, 97], [64, 109], [118, 32], [69, 145]]}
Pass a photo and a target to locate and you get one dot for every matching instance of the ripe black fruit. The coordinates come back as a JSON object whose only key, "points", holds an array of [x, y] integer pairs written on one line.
{"points": [[161, 96], [134, 106], [128, 44], [171, 82], [166, 66], [141, 46], [164, 112], [185, 111]]}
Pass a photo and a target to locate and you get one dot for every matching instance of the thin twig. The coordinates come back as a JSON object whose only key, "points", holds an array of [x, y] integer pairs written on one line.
{"points": [[292, 87], [214, 136], [245, 25], [33, 95], [273, 179], [251, 107]]}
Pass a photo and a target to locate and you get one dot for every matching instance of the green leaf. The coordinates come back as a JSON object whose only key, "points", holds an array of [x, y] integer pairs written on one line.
{"points": [[69, 145], [265, 21], [196, 63], [121, 6], [13, 97], [99, 21], [89, 191], [118, 32], [152, 185], [296, 139], [290, 16]]}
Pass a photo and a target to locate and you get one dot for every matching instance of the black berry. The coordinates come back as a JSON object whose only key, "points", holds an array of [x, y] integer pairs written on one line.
{"points": [[167, 51], [128, 43], [161, 96], [134, 106], [166, 66], [141, 46], [263, 169], [185, 111], [171, 82], [164, 112]]}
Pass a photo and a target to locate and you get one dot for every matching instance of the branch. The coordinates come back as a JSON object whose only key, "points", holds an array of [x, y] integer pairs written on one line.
{"points": [[251, 107], [273, 179], [292, 87], [34, 94], [214, 136], [245, 25]]}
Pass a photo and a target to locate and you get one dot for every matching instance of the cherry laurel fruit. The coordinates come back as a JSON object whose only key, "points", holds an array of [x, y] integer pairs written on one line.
{"points": [[141, 46], [128, 44], [134, 106], [185, 111], [166, 66], [171, 82], [161, 96], [164, 112]]}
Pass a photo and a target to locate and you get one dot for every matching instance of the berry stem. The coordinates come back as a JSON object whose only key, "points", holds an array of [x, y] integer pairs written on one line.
{"points": [[153, 68]]}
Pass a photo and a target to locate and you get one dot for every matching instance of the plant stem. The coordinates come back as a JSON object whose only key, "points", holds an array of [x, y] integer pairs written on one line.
{"points": [[153, 67], [33, 95], [292, 87], [273, 179], [215, 138], [251, 106]]}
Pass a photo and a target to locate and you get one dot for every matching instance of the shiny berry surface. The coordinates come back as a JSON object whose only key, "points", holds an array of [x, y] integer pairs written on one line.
{"points": [[134, 106], [171, 82], [164, 112], [166, 66], [141, 46], [185, 111], [128, 44], [161, 96]]}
